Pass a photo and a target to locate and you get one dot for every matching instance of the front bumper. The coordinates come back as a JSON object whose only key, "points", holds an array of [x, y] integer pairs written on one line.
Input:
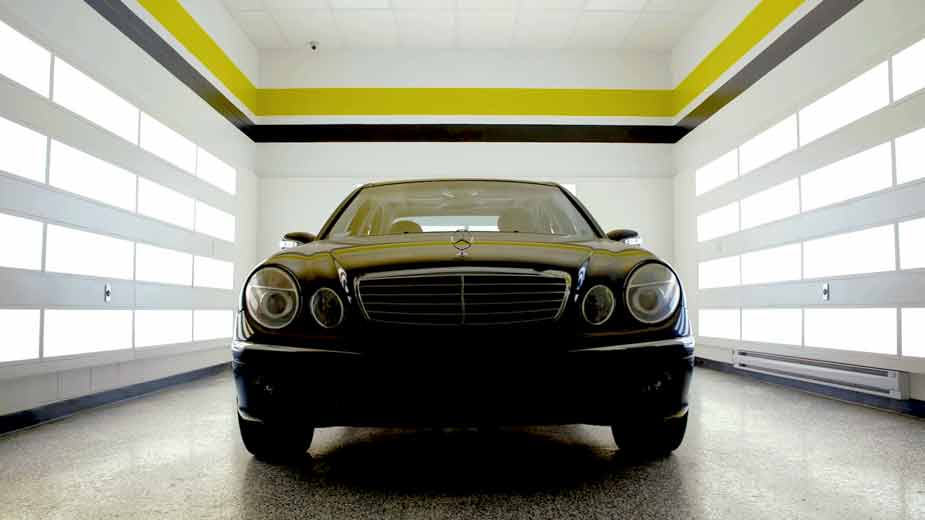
{"points": [[605, 385]]}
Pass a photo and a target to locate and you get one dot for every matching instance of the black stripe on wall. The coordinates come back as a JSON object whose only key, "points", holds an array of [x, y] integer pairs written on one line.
{"points": [[807, 28]]}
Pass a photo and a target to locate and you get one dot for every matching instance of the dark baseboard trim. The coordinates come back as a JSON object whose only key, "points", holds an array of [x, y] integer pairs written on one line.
{"points": [[913, 407], [60, 409]]}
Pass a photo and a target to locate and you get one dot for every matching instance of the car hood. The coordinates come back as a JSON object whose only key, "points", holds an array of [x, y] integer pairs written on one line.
{"points": [[438, 250]]}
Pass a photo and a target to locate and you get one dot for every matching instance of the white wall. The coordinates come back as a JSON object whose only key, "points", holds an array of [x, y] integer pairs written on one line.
{"points": [[624, 185], [76, 33], [866, 36]]}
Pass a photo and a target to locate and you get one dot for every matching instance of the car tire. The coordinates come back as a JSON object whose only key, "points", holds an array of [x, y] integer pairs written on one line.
{"points": [[274, 444], [652, 440]]}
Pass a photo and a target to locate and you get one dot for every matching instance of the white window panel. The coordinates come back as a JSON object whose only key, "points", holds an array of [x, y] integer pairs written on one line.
{"points": [[24, 61], [722, 272], [20, 334], [772, 204], [719, 323], [214, 222], [69, 332], [164, 204], [867, 251], [212, 170], [212, 324], [89, 254], [912, 244], [774, 142], [163, 327], [156, 264], [856, 329], [864, 94], [167, 144], [82, 95], [718, 222], [718, 172], [914, 332], [909, 70], [73, 170], [860, 174], [23, 151], [783, 326], [778, 264], [910, 156], [27, 236], [213, 273]]}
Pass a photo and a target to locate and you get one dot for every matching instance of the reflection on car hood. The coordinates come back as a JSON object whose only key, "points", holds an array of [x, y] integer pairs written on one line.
{"points": [[438, 249]]}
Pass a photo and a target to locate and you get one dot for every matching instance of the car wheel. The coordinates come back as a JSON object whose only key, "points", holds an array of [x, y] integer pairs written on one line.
{"points": [[651, 440], [274, 444]]}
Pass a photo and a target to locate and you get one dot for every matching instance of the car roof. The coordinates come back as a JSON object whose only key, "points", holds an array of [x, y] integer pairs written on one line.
{"points": [[473, 179]]}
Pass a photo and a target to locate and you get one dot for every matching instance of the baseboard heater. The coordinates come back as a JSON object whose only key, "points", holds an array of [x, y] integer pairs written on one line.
{"points": [[877, 381]]}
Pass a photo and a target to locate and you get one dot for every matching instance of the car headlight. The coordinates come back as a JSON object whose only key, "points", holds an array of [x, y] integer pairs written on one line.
{"points": [[327, 308], [652, 293], [597, 307], [272, 297]]}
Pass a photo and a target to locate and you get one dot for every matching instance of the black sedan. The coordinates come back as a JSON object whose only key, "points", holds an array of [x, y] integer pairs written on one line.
{"points": [[461, 303]]}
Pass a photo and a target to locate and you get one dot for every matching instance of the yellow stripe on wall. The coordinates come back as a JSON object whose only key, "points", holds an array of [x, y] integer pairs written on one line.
{"points": [[467, 101], [767, 15]]}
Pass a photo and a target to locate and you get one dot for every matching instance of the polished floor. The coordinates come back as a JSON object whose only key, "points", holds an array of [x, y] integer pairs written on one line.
{"points": [[753, 451]]}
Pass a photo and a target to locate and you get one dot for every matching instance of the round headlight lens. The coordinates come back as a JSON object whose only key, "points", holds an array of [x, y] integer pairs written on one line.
{"points": [[327, 308], [652, 293], [272, 297], [598, 304]]}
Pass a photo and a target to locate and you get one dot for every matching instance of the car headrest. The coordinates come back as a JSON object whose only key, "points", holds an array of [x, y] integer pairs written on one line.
{"points": [[516, 219], [405, 226]]}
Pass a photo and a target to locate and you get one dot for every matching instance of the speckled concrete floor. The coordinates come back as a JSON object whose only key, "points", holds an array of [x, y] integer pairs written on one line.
{"points": [[752, 451]]}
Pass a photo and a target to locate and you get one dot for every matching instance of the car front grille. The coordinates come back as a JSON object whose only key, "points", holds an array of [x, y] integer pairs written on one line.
{"points": [[463, 296]]}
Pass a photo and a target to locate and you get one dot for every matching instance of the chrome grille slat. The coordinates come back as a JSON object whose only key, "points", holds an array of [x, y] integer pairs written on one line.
{"points": [[463, 296]]}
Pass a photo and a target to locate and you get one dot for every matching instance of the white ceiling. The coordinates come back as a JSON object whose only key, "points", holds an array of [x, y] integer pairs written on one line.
{"points": [[650, 25]]}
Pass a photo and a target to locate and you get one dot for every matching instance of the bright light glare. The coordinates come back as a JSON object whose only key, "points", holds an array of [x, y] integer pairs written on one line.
{"points": [[209, 324], [860, 174], [778, 264], [774, 142], [866, 251], [908, 70], [79, 252], [213, 273], [212, 170], [783, 326], [718, 222], [164, 204], [82, 331], [24, 61], [84, 96], [23, 151], [163, 327], [772, 204], [83, 174], [156, 264], [167, 144], [863, 95], [20, 334], [27, 236], [855, 329], [910, 156], [718, 172], [914, 332], [719, 323], [912, 244], [214, 222], [722, 272]]}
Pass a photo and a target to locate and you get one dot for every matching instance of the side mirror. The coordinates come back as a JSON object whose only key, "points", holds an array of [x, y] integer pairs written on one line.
{"points": [[627, 236], [295, 239]]}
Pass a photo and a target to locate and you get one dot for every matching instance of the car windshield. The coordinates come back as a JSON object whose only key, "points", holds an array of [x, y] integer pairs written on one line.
{"points": [[447, 206]]}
